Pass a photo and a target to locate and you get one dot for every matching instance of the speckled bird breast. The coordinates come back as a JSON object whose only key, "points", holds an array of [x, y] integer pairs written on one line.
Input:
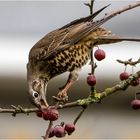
{"points": [[72, 58]]}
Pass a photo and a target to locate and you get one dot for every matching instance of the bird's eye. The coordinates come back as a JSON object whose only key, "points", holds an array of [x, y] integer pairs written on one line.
{"points": [[35, 94]]}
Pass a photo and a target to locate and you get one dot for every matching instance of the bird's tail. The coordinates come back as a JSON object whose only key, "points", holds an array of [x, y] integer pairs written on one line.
{"points": [[115, 39], [100, 22]]}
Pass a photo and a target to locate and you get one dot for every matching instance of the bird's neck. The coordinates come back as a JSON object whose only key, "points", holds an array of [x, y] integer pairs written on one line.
{"points": [[37, 79], [34, 74]]}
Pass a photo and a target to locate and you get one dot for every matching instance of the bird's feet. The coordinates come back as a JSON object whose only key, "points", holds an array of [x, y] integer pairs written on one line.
{"points": [[61, 96]]}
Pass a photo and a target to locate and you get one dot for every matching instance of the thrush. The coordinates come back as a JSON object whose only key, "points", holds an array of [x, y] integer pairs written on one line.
{"points": [[65, 49]]}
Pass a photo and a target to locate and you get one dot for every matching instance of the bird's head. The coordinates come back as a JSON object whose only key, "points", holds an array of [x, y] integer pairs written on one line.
{"points": [[37, 93]]}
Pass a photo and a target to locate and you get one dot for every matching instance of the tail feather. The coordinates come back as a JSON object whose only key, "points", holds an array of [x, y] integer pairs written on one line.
{"points": [[115, 39]]}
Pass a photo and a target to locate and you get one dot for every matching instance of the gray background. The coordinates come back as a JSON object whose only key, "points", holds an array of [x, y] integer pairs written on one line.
{"points": [[22, 24]]}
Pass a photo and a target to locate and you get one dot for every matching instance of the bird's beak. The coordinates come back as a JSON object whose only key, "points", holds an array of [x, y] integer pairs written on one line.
{"points": [[43, 101]]}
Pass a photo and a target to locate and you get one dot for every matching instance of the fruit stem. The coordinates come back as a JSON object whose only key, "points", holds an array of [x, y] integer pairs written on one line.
{"points": [[125, 68], [132, 69], [92, 62], [135, 95], [93, 67]]}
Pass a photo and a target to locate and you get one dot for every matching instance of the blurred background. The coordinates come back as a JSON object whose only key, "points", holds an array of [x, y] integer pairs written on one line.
{"points": [[22, 24]]}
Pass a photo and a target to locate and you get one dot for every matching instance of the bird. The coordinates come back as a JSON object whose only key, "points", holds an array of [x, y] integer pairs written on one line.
{"points": [[66, 49]]}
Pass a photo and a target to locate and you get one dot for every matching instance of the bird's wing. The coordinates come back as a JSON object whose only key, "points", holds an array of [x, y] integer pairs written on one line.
{"points": [[84, 19], [64, 37]]}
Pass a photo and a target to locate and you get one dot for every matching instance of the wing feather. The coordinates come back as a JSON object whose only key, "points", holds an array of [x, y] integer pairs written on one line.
{"points": [[64, 37]]}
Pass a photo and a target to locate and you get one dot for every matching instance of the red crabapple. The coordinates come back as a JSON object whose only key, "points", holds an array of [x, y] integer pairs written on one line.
{"points": [[91, 80], [59, 131], [135, 104], [124, 76], [70, 128], [99, 54], [51, 114]]}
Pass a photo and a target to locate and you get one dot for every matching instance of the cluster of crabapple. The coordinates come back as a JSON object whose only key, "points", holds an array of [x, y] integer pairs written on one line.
{"points": [[91, 79], [99, 55], [124, 76], [61, 130], [52, 114], [135, 104]]}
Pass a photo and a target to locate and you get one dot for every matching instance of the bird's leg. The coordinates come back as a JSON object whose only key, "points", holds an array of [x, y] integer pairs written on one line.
{"points": [[68, 81], [73, 76]]}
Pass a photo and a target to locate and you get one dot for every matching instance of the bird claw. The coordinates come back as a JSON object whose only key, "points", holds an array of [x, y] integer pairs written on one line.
{"points": [[62, 95], [62, 99]]}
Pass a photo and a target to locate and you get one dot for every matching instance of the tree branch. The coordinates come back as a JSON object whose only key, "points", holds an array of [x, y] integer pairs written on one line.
{"points": [[129, 62], [17, 110], [90, 5], [123, 85], [123, 9], [79, 115]]}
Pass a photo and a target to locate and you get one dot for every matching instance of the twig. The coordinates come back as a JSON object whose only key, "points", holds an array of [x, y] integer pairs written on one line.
{"points": [[93, 64], [69, 105], [90, 5], [129, 62], [79, 115], [17, 110], [46, 137], [121, 10]]}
